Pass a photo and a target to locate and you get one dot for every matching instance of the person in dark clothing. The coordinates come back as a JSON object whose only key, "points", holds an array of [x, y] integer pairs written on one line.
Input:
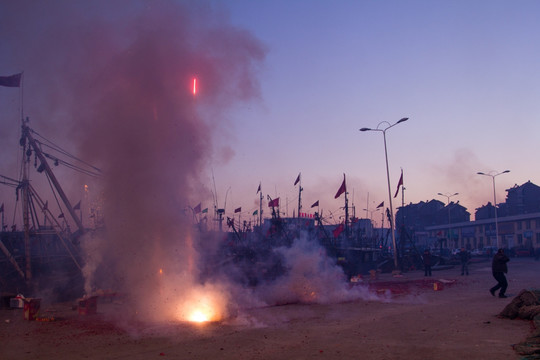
{"points": [[464, 258], [499, 269], [427, 263]]}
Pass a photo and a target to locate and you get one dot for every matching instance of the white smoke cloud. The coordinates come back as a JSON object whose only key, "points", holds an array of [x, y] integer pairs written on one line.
{"points": [[116, 77]]}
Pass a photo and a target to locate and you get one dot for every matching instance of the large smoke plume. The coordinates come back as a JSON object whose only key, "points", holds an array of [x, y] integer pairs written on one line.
{"points": [[117, 78]]}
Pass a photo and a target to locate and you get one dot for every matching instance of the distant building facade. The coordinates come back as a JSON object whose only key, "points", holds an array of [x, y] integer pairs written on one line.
{"points": [[518, 220], [415, 219], [516, 231]]}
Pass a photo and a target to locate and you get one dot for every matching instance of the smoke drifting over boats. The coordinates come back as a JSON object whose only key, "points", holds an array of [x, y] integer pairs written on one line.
{"points": [[118, 78]]}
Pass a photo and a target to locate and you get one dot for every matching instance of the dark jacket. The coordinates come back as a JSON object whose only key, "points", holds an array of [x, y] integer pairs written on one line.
{"points": [[499, 263], [427, 258], [464, 256]]}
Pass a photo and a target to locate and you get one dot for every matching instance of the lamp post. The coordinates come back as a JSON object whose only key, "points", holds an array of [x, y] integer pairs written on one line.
{"points": [[388, 180], [448, 196], [493, 174]]}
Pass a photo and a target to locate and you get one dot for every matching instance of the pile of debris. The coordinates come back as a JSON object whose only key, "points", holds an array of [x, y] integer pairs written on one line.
{"points": [[526, 305]]}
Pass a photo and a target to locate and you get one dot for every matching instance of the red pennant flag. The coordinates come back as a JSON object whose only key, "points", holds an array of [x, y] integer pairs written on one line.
{"points": [[273, 203], [237, 210], [197, 209], [297, 179], [380, 205], [316, 203], [11, 81], [341, 189], [338, 230], [400, 183]]}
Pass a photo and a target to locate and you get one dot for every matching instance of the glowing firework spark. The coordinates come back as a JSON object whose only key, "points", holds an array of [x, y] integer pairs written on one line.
{"points": [[202, 305], [194, 86], [198, 316]]}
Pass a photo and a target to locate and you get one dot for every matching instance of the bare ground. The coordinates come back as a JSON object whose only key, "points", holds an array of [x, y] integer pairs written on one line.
{"points": [[416, 322]]}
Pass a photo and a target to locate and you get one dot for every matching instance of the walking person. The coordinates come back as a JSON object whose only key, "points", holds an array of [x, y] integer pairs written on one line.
{"points": [[427, 263], [464, 258], [499, 269]]}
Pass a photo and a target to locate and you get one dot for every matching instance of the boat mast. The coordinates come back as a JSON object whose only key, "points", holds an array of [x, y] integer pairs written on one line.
{"points": [[260, 205], [299, 193], [32, 143], [346, 214], [26, 203]]}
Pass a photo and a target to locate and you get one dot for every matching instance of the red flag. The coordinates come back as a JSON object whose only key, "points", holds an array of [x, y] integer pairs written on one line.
{"points": [[341, 189], [338, 230], [273, 203], [11, 81], [237, 210], [380, 205], [297, 179], [316, 203], [197, 209], [400, 183]]}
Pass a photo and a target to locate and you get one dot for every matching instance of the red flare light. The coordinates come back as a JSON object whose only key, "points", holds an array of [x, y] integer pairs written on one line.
{"points": [[194, 86]]}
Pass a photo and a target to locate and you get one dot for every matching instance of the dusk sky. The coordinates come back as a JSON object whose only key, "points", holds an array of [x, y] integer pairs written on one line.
{"points": [[464, 73]]}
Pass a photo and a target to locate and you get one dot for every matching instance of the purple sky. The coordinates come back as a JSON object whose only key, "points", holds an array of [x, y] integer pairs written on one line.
{"points": [[463, 72]]}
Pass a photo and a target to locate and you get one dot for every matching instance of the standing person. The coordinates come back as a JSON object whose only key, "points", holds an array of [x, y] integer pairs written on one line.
{"points": [[464, 257], [499, 269], [427, 263]]}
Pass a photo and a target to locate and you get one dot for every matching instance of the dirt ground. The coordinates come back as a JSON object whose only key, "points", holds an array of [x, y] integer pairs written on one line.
{"points": [[415, 322]]}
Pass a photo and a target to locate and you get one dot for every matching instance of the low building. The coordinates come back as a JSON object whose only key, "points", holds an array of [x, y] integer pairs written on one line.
{"points": [[516, 231]]}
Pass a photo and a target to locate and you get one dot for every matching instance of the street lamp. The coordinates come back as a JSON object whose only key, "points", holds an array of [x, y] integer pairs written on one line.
{"points": [[448, 196], [493, 174], [388, 180]]}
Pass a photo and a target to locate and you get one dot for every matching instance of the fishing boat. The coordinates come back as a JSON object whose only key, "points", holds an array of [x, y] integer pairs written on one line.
{"points": [[253, 254], [45, 253]]}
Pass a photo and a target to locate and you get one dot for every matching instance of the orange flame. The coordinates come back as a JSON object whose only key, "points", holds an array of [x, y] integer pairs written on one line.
{"points": [[203, 305]]}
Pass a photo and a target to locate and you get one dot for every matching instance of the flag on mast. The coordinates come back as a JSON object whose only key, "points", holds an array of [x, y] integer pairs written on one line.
{"points": [[297, 179], [237, 210], [380, 205], [338, 230], [258, 189], [197, 209], [316, 203], [341, 189], [400, 183], [11, 81], [273, 203]]}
